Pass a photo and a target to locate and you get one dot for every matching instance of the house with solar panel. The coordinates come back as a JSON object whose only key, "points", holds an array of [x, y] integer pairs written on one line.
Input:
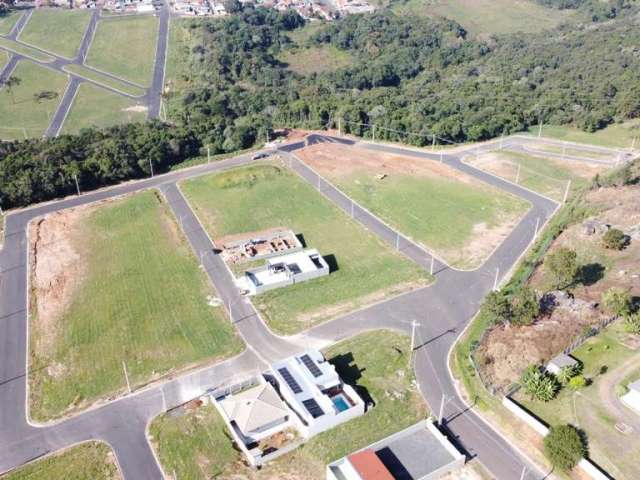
{"points": [[314, 391]]}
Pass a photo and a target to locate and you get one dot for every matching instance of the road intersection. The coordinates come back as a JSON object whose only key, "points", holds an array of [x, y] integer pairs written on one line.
{"points": [[442, 309]]}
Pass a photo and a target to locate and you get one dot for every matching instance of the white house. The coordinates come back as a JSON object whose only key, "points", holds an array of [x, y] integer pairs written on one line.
{"points": [[283, 271], [312, 388], [256, 413], [632, 398]]}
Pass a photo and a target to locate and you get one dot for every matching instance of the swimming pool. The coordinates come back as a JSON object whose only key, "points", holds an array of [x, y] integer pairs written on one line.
{"points": [[341, 403]]}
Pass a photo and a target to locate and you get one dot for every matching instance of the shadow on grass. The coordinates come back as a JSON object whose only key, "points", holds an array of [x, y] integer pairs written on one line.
{"points": [[351, 373]]}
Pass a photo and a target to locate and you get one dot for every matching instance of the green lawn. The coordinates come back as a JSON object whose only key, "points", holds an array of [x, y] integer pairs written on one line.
{"points": [[4, 59], [56, 30], [104, 80], [125, 47], [438, 212], [19, 107], [97, 107], [8, 21], [265, 196], [310, 60], [186, 443], [615, 452], [487, 16], [25, 50], [142, 299], [92, 460], [616, 135]]}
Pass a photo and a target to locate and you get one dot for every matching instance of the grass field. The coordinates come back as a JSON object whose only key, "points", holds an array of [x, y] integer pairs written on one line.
{"points": [[92, 460], [616, 135], [56, 30], [104, 80], [380, 360], [265, 196], [181, 41], [125, 47], [615, 452], [8, 21], [487, 16], [4, 59], [25, 50], [310, 60], [19, 107], [97, 107], [539, 174], [141, 299]]}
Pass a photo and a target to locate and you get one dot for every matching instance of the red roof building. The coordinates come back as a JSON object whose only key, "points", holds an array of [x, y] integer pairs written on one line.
{"points": [[369, 466]]}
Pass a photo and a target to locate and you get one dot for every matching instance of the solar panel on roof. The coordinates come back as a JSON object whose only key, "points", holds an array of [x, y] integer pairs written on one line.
{"points": [[313, 408], [293, 385], [310, 364]]}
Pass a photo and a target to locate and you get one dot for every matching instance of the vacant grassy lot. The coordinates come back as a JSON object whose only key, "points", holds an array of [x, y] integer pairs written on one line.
{"points": [[19, 106], [4, 59], [25, 50], [181, 41], [125, 47], [310, 60], [488, 16], [615, 452], [97, 107], [460, 218], [56, 30], [197, 446], [263, 196], [616, 135], [8, 21], [124, 287], [92, 460], [544, 175], [104, 80]]}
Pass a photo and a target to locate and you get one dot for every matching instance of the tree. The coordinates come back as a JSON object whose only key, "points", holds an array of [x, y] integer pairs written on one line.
{"points": [[618, 301], [9, 83], [498, 307], [563, 267], [564, 447], [614, 239], [232, 6], [525, 306]]}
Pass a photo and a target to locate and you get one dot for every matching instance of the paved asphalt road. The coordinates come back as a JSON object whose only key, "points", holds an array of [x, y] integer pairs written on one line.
{"points": [[152, 96], [442, 310]]}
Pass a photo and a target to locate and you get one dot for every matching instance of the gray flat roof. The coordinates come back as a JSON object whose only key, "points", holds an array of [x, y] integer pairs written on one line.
{"points": [[412, 455], [563, 360]]}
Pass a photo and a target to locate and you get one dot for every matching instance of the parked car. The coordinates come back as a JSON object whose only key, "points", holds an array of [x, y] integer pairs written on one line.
{"points": [[260, 155]]}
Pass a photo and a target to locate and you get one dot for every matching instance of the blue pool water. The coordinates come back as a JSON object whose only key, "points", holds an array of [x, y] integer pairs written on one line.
{"points": [[340, 403]]}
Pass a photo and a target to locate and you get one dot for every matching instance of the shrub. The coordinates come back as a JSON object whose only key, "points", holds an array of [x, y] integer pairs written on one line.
{"points": [[498, 307], [567, 373], [525, 306], [632, 323], [539, 385], [564, 447], [577, 382], [563, 267], [618, 301], [614, 239]]}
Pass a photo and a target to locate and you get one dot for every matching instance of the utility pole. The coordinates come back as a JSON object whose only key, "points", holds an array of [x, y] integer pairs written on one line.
{"points": [[518, 174], [208, 154], [75, 177], [413, 341], [151, 167], [441, 157], [339, 127], [352, 209], [566, 192], [126, 376], [164, 400], [24, 132], [397, 241], [441, 415], [501, 140], [433, 143], [495, 282], [540, 129], [524, 472], [535, 233], [230, 312], [432, 262], [374, 132], [318, 182]]}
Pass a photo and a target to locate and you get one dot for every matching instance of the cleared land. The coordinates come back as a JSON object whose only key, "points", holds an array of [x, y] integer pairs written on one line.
{"points": [[90, 460], [589, 408], [8, 21], [25, 50], [96, 107], [125, 47], [181, 41], [111, 283], [265, 196], [55, 30], [488, 16], [310, 60], [543, 175], [197, 447], [32, 102], [616, 135], [460, 218], [104, 80]]}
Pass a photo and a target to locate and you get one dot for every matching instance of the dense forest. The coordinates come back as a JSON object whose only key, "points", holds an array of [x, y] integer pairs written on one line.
{"points": [[407, 74]]}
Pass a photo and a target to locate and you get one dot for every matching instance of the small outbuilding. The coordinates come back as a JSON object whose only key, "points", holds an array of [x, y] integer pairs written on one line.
{"points": [[632, 398], [559, 362]]}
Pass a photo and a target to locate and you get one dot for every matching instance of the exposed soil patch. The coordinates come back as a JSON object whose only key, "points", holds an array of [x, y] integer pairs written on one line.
{"points": [[136, 108]]}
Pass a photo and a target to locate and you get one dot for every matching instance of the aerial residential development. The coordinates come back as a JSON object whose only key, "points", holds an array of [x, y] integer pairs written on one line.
{"points": [[318, 240]]}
